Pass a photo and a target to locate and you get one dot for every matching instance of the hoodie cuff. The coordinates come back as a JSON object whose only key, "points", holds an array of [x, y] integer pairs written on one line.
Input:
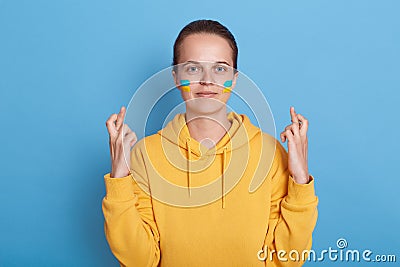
{"points": [[300, 194], [119, 189]]}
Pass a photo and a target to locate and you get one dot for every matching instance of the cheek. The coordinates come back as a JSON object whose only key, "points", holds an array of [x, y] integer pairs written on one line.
{"points": [[185, 85], [185, 95], [225, 97], [227, 86]]}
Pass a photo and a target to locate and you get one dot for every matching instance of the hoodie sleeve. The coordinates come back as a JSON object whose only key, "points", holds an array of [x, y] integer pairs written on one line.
{"points": [[129, 226], [293, 215]]}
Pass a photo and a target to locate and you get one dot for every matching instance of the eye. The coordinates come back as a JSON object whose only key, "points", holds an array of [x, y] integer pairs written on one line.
{"points": [[220, 69], [192, 69]]}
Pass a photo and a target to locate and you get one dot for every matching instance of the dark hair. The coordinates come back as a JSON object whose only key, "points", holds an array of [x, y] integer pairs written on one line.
{"points": [[210, 27]]}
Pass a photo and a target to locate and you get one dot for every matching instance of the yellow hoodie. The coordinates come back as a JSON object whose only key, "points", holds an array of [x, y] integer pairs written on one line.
{"points": [[232, 205]]}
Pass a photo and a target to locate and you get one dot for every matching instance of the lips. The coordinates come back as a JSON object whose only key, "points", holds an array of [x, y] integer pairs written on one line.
{"points": [[206, 94]]}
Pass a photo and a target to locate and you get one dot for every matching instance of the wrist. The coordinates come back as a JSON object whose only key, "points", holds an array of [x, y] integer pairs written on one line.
{"points": [[119, 174], [301, 179]]}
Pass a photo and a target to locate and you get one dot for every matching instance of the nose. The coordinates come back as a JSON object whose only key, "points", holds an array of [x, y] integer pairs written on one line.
{"points": [[206, 78]]}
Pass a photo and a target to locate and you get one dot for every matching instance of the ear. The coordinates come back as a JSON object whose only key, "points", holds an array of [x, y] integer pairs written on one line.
{"points": [[235, 76], [176, 81]]}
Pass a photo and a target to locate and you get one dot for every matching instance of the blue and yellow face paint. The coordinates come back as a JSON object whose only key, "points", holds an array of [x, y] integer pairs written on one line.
{"points": [[185, 85], [228, 86]]}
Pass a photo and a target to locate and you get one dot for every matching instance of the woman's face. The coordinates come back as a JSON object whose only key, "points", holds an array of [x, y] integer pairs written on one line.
{"points": [[205, 64]]}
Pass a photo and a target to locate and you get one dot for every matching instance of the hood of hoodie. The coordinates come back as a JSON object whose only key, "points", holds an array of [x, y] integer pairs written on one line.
{"points": [[190, 156], [239, 134]]}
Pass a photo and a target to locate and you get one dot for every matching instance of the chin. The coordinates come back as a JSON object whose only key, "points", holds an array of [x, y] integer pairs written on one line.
{"points": [[205, 106]]}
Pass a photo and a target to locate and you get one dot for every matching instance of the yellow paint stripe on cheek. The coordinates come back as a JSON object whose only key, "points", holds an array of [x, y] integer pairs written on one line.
{"points": [[186, 88]]}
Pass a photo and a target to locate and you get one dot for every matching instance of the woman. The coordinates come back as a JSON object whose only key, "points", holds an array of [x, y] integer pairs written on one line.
{"points": [[240, 227]]}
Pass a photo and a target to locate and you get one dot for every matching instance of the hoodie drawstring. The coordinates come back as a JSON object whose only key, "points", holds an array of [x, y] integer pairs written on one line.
{"points": [[223, 177], [189, 177], [189, 151]]}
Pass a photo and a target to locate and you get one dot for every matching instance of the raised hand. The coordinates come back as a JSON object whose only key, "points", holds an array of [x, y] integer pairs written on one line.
{"points": [[120, 145], [296, 134]]}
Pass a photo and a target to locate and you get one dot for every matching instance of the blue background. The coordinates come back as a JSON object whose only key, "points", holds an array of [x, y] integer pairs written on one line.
{"points": [[65, 66]]}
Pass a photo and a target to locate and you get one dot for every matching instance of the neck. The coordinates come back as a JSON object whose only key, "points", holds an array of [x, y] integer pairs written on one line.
{"points": [[207, 129]]}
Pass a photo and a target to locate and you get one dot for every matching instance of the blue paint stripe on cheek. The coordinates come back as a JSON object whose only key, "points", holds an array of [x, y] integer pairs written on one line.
{"points": [[185, 82], [228, 83]]}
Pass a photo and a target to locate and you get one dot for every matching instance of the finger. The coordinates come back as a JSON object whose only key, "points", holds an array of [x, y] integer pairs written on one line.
{"points": [[289, 136], [134, 140], [131, 137], [294, 128], [125, 130], [120, 118], [304, 124], [127, 135], [283, 137], [293, 115], [111, 125], [121, 134], [286, 134], [288, 127]]}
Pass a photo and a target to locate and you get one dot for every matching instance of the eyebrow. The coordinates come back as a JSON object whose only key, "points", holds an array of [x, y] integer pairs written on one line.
{"points": [[198, 62], [223, 62]]}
